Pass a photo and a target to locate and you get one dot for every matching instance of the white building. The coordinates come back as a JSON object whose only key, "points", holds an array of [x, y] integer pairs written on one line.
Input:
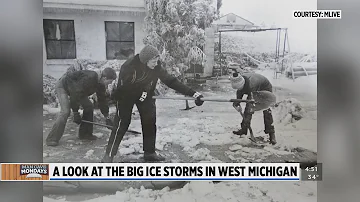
{"points": [[90, 29]]}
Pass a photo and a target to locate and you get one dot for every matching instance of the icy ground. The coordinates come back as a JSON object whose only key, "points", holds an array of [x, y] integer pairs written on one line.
{"points": [[210, 192], [204, 134]]}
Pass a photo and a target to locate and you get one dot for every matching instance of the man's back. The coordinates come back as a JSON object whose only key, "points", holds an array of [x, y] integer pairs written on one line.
{"points": [[254, 82]]}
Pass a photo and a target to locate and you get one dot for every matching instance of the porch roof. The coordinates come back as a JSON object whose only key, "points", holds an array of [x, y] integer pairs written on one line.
{"points": [[137, 6]]}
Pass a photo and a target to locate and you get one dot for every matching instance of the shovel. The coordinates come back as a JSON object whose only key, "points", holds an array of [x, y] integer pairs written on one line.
{"points": [[100, 124], [203, 99]]}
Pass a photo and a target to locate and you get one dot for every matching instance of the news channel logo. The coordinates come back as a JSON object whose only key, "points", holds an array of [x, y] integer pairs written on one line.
{"points": [[34, 170]]}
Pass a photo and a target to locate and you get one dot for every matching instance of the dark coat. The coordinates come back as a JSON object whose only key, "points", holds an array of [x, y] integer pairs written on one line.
{"points": [[81, 84], [253, 82], [136, 78]]}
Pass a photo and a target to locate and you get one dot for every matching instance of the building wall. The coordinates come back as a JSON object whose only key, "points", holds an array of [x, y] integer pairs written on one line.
{"points": [[209, 51], [90, 36]]}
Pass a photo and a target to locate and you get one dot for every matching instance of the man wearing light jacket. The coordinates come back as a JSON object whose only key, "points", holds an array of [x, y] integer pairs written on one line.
{"points": [[137, 81]]}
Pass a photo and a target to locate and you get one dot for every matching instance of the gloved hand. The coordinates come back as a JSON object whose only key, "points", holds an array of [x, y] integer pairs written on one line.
{"points": [[77, 118], [109, 122], [198, 100]]}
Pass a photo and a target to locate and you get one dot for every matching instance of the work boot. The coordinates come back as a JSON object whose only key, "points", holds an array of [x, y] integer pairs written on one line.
{"points": [[107, 159], [272, 138], [52, 143], [269, 127], [153, 157], [241, 132]]}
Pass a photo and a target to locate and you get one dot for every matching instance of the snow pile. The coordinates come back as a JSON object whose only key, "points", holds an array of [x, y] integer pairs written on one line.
{"points": [[244, 153], [49, 96], [90, 155], [88, 64], [131, 145], [223, 191], [288, 111], [202, 154]]}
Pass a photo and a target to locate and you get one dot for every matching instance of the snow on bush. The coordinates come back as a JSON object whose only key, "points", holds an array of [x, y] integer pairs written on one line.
{"points": [[288, 111], [177, 28], [49, 96], [87, 64]]}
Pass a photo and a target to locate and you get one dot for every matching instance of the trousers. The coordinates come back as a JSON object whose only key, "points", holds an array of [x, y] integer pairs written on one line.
{"points": [[58, 128], [147, 110]]}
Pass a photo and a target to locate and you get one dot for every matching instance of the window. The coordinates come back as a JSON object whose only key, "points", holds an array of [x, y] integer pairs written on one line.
{"points": [[60, 39], [119, 40]]}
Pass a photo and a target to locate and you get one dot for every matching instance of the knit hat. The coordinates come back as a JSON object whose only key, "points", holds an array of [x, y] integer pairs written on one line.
{"points": [[237, 81], [148, 53]]}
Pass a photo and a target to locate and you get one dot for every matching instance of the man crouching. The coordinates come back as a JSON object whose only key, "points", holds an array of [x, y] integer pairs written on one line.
{"points": [[73, 90]]}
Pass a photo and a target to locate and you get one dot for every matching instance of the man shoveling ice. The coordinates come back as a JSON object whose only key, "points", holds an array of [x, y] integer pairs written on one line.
{"points": [[259, 88]]}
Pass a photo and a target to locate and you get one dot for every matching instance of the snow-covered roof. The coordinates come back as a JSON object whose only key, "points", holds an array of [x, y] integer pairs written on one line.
{"points": [[111, 5], [232, 19]]}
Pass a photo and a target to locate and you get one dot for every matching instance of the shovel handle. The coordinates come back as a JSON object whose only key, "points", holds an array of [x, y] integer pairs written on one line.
{"points": [[107, 126], [203, 99], [98, 124]]}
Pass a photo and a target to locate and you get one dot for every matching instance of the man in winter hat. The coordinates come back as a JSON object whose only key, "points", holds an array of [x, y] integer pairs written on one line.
{"points": [[137, 81], [246, 84], [73, 90]]}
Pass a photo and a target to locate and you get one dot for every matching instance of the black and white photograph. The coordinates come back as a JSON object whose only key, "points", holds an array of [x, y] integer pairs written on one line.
{"points": [[179, 81]]}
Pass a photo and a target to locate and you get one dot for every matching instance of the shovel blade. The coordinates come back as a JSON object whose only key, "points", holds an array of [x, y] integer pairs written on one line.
{"points": [[263, 99]]}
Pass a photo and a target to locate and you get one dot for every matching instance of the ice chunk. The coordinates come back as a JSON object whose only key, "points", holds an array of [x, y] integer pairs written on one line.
{"points": [[126, 151], [99, 135], [89, 154], [201, 188], [235, 147]]}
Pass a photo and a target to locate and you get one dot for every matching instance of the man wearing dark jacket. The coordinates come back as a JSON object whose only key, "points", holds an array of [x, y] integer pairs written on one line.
{"points": [[137, 81], [73, 90], [245, 84]]}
